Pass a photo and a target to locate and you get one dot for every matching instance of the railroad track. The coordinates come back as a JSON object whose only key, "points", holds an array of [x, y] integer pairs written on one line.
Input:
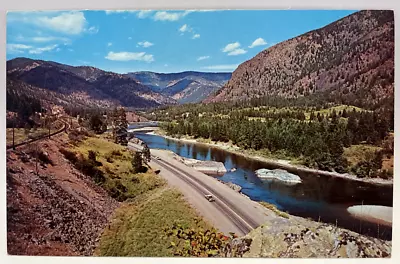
{"points": [[64, 128]]}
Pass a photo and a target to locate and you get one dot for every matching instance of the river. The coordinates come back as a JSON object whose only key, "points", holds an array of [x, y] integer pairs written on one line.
{"points": [[321, 198]]}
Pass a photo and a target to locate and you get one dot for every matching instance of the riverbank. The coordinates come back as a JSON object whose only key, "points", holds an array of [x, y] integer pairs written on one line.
{"points": [[281, 163]]}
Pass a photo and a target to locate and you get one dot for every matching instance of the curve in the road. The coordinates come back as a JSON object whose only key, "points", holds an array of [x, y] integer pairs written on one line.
{"points": [[231, 211]]}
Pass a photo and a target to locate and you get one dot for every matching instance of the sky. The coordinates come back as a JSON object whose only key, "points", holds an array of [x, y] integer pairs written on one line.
{"points": [[159, 40]]}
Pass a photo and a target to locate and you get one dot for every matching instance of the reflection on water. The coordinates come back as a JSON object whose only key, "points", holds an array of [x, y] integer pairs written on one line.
{"points": [[318, 197]]}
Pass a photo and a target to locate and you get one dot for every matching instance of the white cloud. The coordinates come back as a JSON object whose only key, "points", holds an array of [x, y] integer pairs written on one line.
{"points": [[58, 49], [65, 22], [228, 67], [144, 13], [120, 11], [109, 44], [92, 30], [128, 56], [145, 44], [258, 42], [41, 39], [17, 48], [203, 58], [231, 47], [49, 39], [41, 50], [237, 52], [68, 22], [165, 65], [130, 38], [185, 28], [169, 16], [71, 50]]}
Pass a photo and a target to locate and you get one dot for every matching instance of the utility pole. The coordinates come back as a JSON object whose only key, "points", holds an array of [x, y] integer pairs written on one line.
{"points": [[36, 158], [48, 125], [13, 137]]}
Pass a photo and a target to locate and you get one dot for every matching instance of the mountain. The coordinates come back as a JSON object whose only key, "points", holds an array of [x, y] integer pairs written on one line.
{"points": [[185, 87], [83, 84], [350, 60]]}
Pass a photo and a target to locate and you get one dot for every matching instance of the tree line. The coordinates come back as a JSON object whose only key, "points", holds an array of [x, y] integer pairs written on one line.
{"points": [[320, 141]]}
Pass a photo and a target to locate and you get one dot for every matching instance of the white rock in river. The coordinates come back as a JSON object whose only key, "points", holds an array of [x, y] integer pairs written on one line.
{"points": [[278, 174], [372, 213]]}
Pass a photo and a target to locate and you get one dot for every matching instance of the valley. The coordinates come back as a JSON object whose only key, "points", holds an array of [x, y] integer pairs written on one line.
{"points": [[90, 152]]}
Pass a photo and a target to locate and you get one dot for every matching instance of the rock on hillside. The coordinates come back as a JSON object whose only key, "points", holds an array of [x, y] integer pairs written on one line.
{"points": [[301, 238], [350, 60]]}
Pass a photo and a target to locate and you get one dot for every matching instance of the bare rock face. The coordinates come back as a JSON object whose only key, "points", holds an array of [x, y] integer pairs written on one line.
{"points": [[294, 238], [237, 247]]}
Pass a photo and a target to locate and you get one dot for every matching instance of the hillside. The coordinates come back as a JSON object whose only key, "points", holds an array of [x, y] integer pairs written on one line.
{"points": [[93, 85], [185, 87], [351, 61]]}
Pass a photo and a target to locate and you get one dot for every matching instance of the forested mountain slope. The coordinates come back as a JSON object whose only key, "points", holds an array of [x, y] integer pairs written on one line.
{"points": [[350, 60], [95, 86]]}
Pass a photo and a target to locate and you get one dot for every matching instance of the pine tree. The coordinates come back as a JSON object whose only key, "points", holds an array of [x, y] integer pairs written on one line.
{"points": [[146, 154], [137, 162], [120, 126]]}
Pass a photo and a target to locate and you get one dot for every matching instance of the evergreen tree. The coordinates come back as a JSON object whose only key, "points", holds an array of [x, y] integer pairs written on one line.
{"points": [[146, 154], [137, 162], [120, 126]]}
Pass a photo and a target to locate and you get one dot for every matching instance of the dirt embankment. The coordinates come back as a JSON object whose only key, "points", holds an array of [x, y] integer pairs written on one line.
{"points": [[57, 212]]}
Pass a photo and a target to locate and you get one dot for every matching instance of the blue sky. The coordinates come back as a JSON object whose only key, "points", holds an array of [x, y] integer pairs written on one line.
{"points": [[161, 41]]}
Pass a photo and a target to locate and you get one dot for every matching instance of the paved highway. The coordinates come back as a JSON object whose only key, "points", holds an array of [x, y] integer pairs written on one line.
{"points": [[231, 211]]}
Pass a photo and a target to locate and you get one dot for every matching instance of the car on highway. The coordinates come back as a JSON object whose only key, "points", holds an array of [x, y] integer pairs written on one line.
{"points": [[157, 158], [209, 197]]}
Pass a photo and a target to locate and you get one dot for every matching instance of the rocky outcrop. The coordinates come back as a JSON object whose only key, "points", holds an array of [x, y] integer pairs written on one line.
{"points": [[233, 186], [301, 238], [204, 166], [278, 174]]}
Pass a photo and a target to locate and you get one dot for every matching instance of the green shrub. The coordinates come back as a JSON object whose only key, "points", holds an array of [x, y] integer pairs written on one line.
{"points": [[200, 243], [69, 155]]}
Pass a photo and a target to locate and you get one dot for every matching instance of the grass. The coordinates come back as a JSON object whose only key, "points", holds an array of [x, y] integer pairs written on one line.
{"points": [[273, 208], [116, 164], [21, 134], [137, 228], [387, 163], [357, 153]]}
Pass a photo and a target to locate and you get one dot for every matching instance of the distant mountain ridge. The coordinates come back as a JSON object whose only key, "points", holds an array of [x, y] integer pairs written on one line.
{"points": [[185, 87], [96, 86], [351, 60], [105, 89]]}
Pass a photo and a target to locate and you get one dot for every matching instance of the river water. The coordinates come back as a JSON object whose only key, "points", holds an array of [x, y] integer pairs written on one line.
{"points": [[321, 198]]}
